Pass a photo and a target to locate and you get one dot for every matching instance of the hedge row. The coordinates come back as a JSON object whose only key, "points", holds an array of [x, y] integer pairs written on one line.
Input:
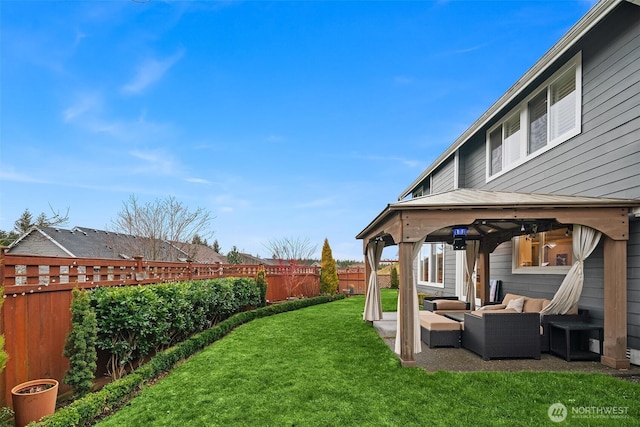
{"points": [[89, 409], [137, 321]]}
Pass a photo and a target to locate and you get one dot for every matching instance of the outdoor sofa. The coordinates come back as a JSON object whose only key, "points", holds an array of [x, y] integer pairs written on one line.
{"points": [[502, 334], [536, 305]]}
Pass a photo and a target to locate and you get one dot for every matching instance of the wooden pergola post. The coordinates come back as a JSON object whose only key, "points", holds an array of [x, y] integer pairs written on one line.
{"points": [[484, 273], [615, 304], [407, 309]]}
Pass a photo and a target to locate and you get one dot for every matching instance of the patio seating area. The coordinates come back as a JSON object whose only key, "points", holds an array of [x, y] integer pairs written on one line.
{"points": [[463, 360]]}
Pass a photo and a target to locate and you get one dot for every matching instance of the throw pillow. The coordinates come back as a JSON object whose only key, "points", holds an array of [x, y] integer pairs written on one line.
{"points": [[516, 304]]}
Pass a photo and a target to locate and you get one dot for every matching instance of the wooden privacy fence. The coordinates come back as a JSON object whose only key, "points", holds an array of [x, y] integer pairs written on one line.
{"points": [[36, 317]]}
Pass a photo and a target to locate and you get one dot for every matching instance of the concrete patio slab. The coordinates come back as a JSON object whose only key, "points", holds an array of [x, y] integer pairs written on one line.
{"points": [[463, 360]]}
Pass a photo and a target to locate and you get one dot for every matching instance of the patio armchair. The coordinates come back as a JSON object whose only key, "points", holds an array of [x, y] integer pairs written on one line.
{"points": [[502, 335]]}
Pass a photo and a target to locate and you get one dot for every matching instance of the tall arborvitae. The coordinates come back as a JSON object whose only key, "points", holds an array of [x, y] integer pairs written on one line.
{"points": [[395, 282], [328, 274], [3, 354], [80, 347]]}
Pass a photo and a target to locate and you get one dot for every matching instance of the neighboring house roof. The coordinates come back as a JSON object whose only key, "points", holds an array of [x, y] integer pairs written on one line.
{"points": [[250, 259], [83, 242], [579, 30]]}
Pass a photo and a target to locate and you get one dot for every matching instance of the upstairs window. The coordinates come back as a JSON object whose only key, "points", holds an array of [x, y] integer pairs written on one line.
{"points": [[550, 116]]}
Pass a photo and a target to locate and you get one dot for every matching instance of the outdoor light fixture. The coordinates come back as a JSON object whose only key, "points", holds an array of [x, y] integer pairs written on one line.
{"points": [[460, 238], [522, 228]]}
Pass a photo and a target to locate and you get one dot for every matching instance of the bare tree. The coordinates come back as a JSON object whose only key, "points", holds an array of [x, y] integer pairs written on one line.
{"points": [[156, 230], [291, 253]]}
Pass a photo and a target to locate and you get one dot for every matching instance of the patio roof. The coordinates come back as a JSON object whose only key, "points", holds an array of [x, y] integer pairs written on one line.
{"points": [[525, 208]]}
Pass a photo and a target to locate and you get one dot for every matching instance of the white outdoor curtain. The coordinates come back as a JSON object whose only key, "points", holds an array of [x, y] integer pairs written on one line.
{"points": [[417, 343], [471, 257], [373, 305], [585, 240]]}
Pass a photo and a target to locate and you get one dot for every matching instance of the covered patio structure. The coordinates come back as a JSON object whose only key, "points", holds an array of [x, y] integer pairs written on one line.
{"points": [[491, 218]]}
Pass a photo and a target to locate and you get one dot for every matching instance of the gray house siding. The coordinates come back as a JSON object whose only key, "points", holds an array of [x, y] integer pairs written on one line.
{"points": [[473, 162], [603, 160], [443, 177], [36, 243]]}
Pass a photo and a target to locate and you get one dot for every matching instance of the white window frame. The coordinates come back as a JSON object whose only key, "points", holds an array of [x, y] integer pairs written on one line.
{"points": [[522, 110], [516, 268], [432, 273]]}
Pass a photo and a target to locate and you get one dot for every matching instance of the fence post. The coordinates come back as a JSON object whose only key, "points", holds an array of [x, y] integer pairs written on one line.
{"points": [[3, 250], [139, 268]]}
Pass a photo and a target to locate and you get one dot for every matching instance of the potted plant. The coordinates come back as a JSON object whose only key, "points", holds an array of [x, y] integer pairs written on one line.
{"points": [[33, 400]]}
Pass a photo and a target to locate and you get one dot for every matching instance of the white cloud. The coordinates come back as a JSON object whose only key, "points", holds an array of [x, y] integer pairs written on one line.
{"points": [[406, 162], [150, 72], [462, 51], [155, 161], [8, 174], [198, 181], [84, 104]]}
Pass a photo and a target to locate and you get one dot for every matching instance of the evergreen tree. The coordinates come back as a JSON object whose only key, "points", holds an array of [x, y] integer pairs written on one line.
{"points": [[24, 223], [261, 281], [3, 354], [216, 246], [7, 238], [234, 257], [197, 240], [80, 347], [395, 282], [328, 274]]}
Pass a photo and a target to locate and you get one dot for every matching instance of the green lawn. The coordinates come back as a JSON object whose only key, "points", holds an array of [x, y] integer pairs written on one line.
{"points": [[324, 366]]}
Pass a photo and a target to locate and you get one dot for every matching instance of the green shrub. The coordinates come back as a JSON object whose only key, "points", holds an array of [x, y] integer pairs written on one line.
{"points": [[85, 411], [80, 346], [395, 282], [137, 321]]}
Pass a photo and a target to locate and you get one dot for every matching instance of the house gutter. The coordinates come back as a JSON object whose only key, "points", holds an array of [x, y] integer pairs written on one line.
{"points": [[593, 17]]}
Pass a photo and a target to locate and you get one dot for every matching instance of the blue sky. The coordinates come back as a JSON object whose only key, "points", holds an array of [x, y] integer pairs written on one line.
{"points": [[283, 119]]}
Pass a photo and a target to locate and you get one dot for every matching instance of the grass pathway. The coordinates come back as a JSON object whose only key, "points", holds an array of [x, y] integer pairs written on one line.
{"points": [[324, 366]]}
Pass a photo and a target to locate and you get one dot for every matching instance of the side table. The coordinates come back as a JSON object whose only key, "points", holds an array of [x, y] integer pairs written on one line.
{"points": [[570, 339]]}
